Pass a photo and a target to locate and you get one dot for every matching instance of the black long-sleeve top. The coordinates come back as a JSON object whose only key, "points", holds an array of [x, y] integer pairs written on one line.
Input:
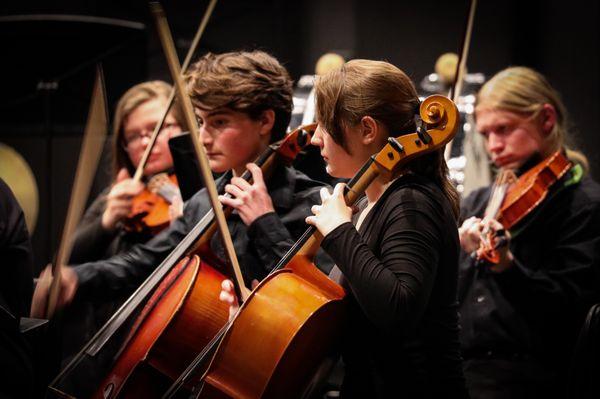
{"points": [[258, 246], [401, 271], [93, 242], [538, 305]]}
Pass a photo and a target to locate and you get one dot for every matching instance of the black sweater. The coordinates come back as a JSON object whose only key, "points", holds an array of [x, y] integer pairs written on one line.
{"points": [[537, 306], [258, 246], [401, 268]]}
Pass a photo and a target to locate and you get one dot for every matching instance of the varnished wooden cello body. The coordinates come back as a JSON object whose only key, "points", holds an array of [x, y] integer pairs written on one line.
{"points": [[291, 319], [184, 313]]}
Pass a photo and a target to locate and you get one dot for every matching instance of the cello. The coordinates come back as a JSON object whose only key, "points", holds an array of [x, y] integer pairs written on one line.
{"points": [[162, 340], [295, 315]]}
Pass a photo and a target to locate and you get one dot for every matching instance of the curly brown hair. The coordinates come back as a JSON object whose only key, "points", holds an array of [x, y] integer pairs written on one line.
{"points": [[250, 82]]}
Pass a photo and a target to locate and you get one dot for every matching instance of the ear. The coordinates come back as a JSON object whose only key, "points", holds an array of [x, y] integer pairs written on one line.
{"points": [[267, 120], [369, 129], [547, 118]]}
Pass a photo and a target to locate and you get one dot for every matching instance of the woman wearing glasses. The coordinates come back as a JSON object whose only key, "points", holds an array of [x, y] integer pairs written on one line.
{"points": [[101, 233]]}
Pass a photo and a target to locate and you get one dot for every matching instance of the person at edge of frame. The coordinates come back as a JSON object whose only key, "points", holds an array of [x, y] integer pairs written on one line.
{"points": [[520, 317]]}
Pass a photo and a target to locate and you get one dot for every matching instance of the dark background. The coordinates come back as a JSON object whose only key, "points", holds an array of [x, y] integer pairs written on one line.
{"points": [[47, 61]]}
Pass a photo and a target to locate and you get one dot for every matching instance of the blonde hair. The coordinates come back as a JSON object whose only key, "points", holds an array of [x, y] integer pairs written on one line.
{"points": [[525, 91], [131, 100], [384, 92]]}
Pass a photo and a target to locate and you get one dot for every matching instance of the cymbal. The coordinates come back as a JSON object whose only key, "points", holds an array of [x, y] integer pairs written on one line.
{"points": [[17, 174]]}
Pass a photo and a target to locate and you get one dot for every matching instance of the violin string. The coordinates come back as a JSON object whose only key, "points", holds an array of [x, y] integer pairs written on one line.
{"points": [[499, 190]]}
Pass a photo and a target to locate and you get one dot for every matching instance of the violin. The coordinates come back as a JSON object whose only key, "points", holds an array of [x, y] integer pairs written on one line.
{"points": [[491, 241], [150, 208], [513, 199]]}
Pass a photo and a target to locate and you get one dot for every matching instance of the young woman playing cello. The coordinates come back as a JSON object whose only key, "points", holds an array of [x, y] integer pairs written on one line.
{"points": [[399, 262]]}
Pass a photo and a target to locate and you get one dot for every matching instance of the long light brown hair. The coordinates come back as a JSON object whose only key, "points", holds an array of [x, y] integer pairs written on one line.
{"points": [[129, 102], [384, 92], [524, 91]]}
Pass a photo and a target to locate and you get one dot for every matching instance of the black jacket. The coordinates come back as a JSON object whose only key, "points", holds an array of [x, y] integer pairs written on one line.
{"points": [[16, 287], [401, 270], [258, 246], [93, 242], [537, 306]]}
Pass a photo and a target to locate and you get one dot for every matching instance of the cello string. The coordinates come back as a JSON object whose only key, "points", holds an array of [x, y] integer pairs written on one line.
{"points": [[198, 360]]}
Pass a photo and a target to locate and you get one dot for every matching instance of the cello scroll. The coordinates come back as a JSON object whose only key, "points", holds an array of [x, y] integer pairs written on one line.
{"points": [[440, 117]]}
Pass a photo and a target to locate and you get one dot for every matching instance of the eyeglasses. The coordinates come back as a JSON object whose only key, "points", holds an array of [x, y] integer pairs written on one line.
{"points": [[135, 139]]}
